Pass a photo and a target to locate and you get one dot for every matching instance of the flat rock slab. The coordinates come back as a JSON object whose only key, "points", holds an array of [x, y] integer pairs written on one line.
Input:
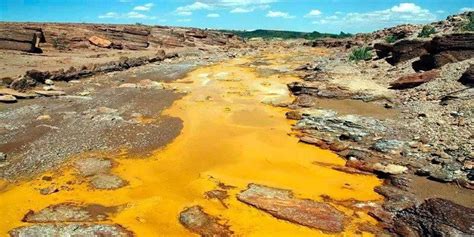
{"points": [[281, 204], [17, 94], [7, 99], [93, 166], [201, 223], [67, 230], [414, 80], [50, 93], [107, 181], [69, 212]]}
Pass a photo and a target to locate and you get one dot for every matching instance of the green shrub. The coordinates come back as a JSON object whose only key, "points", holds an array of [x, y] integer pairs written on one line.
{"points": [[362, 53], [391, 39], [427, 31], [470, 25]]}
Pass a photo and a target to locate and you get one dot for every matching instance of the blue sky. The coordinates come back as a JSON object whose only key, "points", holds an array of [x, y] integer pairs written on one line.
{"points": [[298, 15]]}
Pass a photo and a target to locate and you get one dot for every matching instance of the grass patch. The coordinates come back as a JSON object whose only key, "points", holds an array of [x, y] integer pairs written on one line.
{"points": [[391, 39], [362, 53], [427, 31]]}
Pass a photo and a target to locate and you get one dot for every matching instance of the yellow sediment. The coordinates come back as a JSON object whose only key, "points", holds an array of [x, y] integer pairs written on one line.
{"points": [[229, 136]]}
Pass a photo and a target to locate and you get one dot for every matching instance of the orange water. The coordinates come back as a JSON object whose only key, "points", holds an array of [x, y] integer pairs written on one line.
{"points": [[229, 136]]}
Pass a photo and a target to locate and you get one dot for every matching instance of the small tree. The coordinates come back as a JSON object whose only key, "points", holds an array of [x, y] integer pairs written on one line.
{"points": [[427, 31], [362, 53]]}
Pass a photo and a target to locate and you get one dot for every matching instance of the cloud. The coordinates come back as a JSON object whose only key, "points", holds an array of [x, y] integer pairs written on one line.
{"points": [[145, 7], [213, 15], [398, 14], [184, 13], [313, 13], [194, 7], [278, 14], [234, 6], [109, 15], [241, 10], [184, 20], [129, 15], [467, 9], [136, 15]]}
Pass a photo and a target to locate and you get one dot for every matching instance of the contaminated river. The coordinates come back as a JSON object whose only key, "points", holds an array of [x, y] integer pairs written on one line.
{"points": [[231, 136]]}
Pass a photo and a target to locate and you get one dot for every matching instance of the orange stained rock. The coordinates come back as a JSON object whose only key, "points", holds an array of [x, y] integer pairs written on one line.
{"points": [[231, 135]]}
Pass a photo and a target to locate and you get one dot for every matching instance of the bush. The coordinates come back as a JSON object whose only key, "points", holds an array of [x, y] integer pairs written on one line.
{"points": [[60, 42], [391, 39], [470, 25], [362, 53], [427, 31]]}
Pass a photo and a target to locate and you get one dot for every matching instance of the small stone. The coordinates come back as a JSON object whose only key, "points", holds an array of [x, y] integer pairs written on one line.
{"points": [[43, 117], [128, 85], [49, 82], [390, 168], [7, 99], [3, 157], [49, 190], [50, 93]]}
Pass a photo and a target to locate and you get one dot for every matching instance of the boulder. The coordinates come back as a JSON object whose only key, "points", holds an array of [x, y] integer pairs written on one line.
{"points": [[281, 204], [405, 50], [435, 217], [446, 49], [467, 77], [197, 221], [21, 38], [100, 42], [414, 80]]}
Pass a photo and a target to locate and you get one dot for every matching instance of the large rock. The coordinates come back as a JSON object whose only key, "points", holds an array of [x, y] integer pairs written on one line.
{"points": [[281, 204], [100, 42], [446, 49], [401, 51], [69, 212], [414, 80], [201, 223], [467, 77], [21, 38], [66, 230], [435, 217]]}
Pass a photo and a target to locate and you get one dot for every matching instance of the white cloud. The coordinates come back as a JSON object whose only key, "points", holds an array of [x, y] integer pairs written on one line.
{"points": [[440, 11], [402, 13], [467, 9], [234, 6], [278, 14], [145, 7], [184, 13], [367, 21], [130, 15], [136, 15], [407, 8], [241, 10], [314, 13], [194, 7], [184, 20], [213, 15], [109, 15]]}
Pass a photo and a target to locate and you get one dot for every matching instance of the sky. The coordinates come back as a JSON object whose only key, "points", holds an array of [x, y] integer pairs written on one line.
{"points": [[331, 16]]}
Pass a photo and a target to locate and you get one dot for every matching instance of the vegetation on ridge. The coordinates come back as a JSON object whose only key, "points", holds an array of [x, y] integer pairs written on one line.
{"points": [[271, 34]]}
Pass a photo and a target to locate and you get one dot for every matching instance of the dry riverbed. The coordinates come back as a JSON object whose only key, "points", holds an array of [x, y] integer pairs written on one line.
{"points": [[234, 165]]}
